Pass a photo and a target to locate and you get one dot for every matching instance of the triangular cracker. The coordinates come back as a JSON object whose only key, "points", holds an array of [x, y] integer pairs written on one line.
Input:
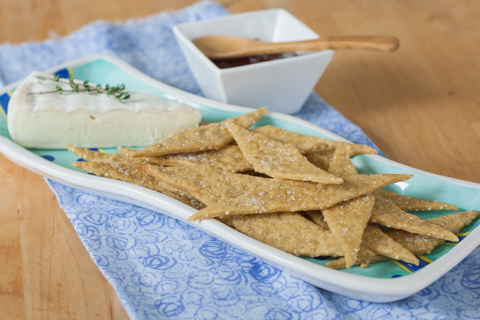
{"points": [[373, 239], [94, 156], [347, 221], [277, 159], [340, 164], [387, 214], [420, 244], [229, 158], [408, 203], [364, 258], [127, 152], [378, 242], [318, 160], [208, 137], [287, 231], [310, 143], [208, 184], [127, 172], [276, 195], [214, 186]]}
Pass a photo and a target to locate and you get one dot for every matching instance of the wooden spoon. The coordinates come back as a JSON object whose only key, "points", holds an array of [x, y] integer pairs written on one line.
{"points": [[225, 47]]}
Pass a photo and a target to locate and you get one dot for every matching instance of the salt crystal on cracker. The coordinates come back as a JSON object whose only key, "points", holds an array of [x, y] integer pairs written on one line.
{"points": [[287, 231], [408, 203], [127, 172], [277, 159], [347, 221], [387, 214], [276, 195], [421, 244], [208, 137], [310, 143]]}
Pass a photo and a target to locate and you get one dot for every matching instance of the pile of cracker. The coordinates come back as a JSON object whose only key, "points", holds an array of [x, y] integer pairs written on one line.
{"points": [[300, 194]]}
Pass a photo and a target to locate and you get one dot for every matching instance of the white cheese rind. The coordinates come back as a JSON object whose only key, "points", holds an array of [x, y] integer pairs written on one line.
{"points": [[49, 121]]}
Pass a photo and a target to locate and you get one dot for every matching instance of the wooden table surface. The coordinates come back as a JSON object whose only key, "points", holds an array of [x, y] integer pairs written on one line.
{"points": [[420, 105]]}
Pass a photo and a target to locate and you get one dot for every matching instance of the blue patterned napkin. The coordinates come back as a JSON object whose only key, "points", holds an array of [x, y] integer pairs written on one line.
{"points": [[163, 268]]}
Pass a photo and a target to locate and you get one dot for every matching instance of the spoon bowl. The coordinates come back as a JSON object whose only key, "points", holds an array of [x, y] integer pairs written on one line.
{"points": [[226, 47]]}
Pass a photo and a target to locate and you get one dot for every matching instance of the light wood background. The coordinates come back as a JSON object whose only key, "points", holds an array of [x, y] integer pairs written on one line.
{"points": [[420, 105]]}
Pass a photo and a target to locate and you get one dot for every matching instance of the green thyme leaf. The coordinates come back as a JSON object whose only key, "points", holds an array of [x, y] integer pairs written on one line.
{"points": [[116, 91]]}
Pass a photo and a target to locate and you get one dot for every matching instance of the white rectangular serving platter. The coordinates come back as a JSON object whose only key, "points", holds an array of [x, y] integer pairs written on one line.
{"points": [[380, 283]]}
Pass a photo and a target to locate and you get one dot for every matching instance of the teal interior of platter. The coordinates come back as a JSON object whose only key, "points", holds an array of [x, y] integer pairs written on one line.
{"points": [[421, 185]]}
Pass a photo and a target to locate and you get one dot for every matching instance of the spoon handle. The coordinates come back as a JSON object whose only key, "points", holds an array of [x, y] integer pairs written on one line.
{"points": [[380, 43]]}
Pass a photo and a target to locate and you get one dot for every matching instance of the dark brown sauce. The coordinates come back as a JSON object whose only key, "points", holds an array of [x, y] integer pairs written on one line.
{"points": [[237, 62]]}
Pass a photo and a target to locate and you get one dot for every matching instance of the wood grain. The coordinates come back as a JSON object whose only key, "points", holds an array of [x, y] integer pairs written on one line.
{"points": [[420, 105]]}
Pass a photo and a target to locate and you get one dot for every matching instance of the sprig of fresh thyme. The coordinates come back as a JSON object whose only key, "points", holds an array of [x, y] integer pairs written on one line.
{"points": [[118, 92]]}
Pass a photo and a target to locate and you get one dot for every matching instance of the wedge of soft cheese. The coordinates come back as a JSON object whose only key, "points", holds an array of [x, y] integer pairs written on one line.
{"points": [[49, 121]]}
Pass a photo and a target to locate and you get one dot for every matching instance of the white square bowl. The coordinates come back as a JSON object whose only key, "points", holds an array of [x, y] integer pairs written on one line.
{"points": [[282, 85]]}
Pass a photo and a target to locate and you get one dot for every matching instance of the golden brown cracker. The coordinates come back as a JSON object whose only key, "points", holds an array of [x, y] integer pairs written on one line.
{"points": [[94, 156], [229, 158], [287, 231], [208, 184], [276, 195], [303, 143], [364, 258], [456, 221], [408, 203], [277, 159], [127, 172], [310, 143], [211, 185], [373, 239], [387, 214], [208, 137], [127, 151], [347, 221], [378, 242], [317, 217], [318, 160], [150, 160], [340, 164], [421, 244]]}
